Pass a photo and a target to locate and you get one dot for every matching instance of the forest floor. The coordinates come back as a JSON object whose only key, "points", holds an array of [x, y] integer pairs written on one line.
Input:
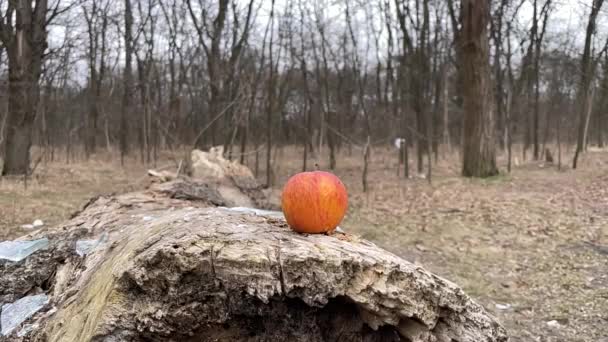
{"points": [[531, 246]]}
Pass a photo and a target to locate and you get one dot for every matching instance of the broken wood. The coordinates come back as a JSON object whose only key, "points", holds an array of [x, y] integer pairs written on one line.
{"points": [[177, 268]]}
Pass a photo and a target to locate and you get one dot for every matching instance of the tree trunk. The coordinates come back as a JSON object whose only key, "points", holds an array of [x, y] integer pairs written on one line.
{"points": [[497, 35], [584, 91], [546, 132], [598, 128], [479, 159], [446, 120], [366, 152], [331, 140], [559, 141], [25, 43], [17, 149], [91, 123], [508, 125], [589, 110], [270, 105], [22, 102], [244, 134], [127, 82]]}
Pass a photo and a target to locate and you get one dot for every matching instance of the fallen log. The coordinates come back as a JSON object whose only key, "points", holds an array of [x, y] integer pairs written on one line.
{"points": [[152, 266]]}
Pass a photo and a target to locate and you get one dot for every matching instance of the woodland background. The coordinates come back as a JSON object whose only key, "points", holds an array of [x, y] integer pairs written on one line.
{"points": [[95, 92], [142, 76]]}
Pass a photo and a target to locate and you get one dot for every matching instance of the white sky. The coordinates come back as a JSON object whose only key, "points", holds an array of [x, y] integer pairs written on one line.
{"points": [[566, 24]]}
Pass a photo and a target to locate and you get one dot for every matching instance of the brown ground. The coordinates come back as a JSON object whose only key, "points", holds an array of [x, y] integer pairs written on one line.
{"points": [[531, 246]]}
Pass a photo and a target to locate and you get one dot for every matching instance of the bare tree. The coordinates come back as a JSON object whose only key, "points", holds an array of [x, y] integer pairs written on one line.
{"points": [[220, 65], [199, 73]]}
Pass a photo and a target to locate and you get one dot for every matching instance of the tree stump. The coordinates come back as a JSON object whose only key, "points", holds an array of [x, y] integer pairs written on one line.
{"points": [[152, 266]]}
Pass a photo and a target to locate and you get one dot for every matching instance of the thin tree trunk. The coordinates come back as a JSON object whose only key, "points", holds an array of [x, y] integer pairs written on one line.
{"points": [[305, 154], [598, 129], [244, 136], [581, 145], [330, 142], [257, 161], [406, 161], [366, 152], [589, 109], [536, 126], [545, 134], [446, 120], [127, 79], [585, 93], [559, 142], [508, 125], [270, 107]]}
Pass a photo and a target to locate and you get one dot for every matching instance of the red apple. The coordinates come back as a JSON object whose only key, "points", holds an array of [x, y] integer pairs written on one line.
{"points": [[314, 202]]}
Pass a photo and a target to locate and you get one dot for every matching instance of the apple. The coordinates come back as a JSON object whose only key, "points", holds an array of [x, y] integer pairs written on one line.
{"points": [[314, 202]]}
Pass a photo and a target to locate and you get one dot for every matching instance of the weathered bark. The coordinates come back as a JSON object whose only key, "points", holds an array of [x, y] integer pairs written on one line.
{"points": [[20, 122], [479, 158], [172, 269]]}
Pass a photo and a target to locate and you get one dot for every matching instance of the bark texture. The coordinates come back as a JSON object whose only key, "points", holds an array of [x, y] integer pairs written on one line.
{"points": [[479, 156], [172, 269], [25, 41]]}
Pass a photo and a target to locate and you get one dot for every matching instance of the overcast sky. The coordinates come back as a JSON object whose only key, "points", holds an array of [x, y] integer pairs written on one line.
{"points": [[566, 24]]}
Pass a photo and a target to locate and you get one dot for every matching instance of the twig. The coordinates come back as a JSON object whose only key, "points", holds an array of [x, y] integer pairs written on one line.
{"points": [[248, 153], [219, 115], [343, 136], [179, 168]]}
